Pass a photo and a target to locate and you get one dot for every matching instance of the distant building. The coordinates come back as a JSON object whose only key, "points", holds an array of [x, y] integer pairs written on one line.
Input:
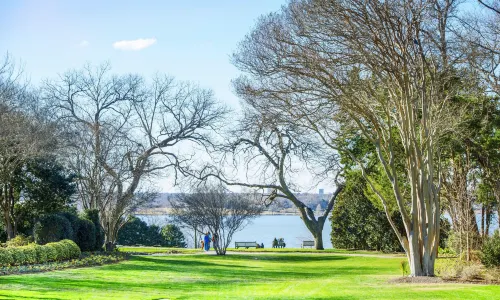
{"points": [[321, 192]]}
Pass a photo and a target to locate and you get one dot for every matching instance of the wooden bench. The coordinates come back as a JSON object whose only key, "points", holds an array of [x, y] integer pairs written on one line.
{"points": [[307, 244], [245, 244]]}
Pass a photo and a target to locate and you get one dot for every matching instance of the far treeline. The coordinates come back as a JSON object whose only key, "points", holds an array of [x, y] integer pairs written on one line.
{"points": [[396, 103]]}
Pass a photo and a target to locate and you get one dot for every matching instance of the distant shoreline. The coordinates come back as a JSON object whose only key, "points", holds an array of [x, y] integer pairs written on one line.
{"points": [[167, 211]]}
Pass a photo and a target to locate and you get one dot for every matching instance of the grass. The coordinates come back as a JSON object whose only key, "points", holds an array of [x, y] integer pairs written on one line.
{"points": [[311, 250], [152, 250], [236, 276]]}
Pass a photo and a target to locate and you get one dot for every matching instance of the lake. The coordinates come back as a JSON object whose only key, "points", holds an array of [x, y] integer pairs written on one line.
{"points": [[264, 229]]}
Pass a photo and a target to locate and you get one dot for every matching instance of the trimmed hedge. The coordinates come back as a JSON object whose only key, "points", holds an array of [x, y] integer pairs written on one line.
{"points": [[37, 254]]}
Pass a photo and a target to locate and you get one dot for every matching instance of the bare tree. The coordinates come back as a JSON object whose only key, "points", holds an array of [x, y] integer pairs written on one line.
{"points": [[217, 209], [385, 70], [25, 134], [124, 131], [270, 153], [480, 37], [460, 178]]}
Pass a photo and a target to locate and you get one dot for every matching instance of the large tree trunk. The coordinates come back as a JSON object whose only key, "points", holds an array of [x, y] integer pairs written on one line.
{"points": [[318, 240], [6, 209]]}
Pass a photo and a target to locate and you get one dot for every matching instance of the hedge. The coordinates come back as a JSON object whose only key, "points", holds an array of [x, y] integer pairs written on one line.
{"points": [[38, 254], [52, 228], [85, 235]]}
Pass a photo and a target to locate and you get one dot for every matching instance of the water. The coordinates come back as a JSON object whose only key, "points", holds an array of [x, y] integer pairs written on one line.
{"points": [[291, 228], [264, 229]]}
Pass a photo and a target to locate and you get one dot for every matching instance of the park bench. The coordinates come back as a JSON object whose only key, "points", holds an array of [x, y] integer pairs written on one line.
{"points": [[245, 244], [307, 244]]}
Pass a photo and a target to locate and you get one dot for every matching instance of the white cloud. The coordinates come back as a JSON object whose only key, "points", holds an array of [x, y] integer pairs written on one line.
{"points": [[134, 45], [83, 43]]}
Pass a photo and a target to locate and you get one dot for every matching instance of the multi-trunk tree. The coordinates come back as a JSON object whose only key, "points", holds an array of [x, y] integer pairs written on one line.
{"points": [[382, 69], [122, 130]]}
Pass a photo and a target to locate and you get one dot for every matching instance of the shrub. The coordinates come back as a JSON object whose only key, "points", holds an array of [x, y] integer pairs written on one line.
{"points": [[85, 235], [135, 231], [72, 249], [41, 253], [29, 252], [52, 228], [61, 250], [73, 220], [490, 253], [93, 215], [405, 268], [19, 240], [18, 257], [471, 272], [51, 252], [5, 257], [173, 236], [358, 224]]}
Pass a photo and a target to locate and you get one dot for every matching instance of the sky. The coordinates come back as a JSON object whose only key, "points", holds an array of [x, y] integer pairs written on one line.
{"points": [[190, 40]]}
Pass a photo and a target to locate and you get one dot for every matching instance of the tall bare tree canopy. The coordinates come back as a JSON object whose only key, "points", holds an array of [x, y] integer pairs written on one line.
{"points": [[383, 69], [271, 153], [125, 129], [25, 134]]}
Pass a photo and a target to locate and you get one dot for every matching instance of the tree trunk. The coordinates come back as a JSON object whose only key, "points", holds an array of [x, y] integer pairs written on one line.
{"points": [[9, 228], [318, 239]]}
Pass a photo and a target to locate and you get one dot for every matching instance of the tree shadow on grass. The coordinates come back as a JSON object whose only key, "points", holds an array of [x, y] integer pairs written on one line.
{"points": [[284, 258], [28, 297], [187, 274]]}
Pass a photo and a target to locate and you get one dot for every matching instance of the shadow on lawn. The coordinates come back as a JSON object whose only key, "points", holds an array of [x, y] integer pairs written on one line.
{"points": [[28, 297], [187, 274]]}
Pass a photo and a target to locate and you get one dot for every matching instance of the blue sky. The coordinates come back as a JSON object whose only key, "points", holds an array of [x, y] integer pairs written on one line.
{"points": [[191, 40]]}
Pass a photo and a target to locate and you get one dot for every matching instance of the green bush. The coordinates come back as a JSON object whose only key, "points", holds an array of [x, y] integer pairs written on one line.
{"points": [[74, 220], [50, 252], [19, 240], [135, 231], [29, 252], [52, 228], [490, 253], [72, 248], [18, 257], [41, 253], [173, 236], [32, 254], [85, 235], [5, 257], [93, 215], [61, 249]]}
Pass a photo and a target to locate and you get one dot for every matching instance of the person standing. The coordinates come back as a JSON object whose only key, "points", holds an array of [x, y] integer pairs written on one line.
{"points": [[275, 243], [215, 239], [206, 239]]}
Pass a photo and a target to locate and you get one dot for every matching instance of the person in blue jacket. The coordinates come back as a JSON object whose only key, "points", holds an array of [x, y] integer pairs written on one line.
{"points": [[206, 239]]}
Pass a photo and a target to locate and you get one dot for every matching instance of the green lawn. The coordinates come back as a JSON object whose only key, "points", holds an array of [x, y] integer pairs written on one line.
{"points": [[311, 250], [158, 250], [236, 276]]}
